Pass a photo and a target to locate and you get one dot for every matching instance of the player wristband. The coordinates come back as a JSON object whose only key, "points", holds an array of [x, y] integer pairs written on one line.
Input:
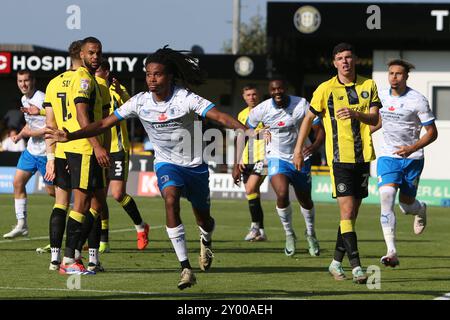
{"points": [[50, 156]]}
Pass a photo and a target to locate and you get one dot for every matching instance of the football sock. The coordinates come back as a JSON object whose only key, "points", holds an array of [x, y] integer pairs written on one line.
{"points": [[254, 225], [95, 234], [176, 236], [91, 216], [57, 225], [73, 233], [350, 242], [256, 211], [105, 231], [104, 215], [285, 215], [309, 216], [21, 212], [55, 254], [131, 209], [413, 208], [387, 218], [77, 254], [185, 264], [67, 260], [207, 235], [140, 227], [339, 250], [93, 255], [336, 263]]}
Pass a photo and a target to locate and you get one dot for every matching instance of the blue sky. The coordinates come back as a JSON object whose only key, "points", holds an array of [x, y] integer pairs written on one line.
{"points": [[139, 26]]}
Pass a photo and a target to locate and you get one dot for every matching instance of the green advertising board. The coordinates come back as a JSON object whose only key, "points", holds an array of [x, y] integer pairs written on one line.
{"points": [[433, 192]]}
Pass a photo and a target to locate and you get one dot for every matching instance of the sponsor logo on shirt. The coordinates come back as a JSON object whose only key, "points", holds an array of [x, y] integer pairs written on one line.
{"points": [[84, 84], [162, 117], [169, 124], [144, 112], [174, 110]]}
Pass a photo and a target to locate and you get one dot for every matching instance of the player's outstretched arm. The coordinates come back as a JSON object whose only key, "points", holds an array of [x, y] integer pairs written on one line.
{"points": [[91, 130], [303, 133], [224, 119]]}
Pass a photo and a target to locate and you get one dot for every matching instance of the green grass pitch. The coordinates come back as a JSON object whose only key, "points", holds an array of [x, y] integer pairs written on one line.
{"points": [[240, 270]]}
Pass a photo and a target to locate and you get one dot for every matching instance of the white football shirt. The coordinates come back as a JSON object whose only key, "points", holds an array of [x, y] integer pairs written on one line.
{"points": [[283, 123], [170, 124], [36, 145], [402, 119]]}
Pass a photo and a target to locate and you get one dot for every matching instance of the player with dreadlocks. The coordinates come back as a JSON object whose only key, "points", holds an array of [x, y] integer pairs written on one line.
{"points": [[168, 112]]}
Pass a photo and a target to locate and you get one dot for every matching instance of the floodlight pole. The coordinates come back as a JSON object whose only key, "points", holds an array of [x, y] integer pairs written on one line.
{"points": [[236, 25]]}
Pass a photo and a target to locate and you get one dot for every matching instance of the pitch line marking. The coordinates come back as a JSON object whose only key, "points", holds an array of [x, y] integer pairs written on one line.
{"points": [[89, 290], [46, 237], [144, 293]]}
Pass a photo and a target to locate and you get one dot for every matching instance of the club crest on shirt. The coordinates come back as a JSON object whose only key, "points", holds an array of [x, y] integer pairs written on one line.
{"points": [[164, 178], [173, 111], [365, 94], [342, 187], [281, 124], [84, 84], [162, 117], [391, 108]]}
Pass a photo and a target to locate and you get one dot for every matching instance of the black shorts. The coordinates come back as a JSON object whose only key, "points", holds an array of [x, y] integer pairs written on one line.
{"points": [[350, 179], [119, 166], [62, 175], [85, 172], [255, 168]]}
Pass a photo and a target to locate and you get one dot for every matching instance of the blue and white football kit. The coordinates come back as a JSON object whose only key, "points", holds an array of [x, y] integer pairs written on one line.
{"points": [[34, 158], [170, 126], [284, 124], [402, 119]]}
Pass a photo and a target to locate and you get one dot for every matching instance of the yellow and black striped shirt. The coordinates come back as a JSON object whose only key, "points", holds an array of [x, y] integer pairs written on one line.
{"points": [[254, 149], [84, 89], [347, 141], [57, 97]]}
